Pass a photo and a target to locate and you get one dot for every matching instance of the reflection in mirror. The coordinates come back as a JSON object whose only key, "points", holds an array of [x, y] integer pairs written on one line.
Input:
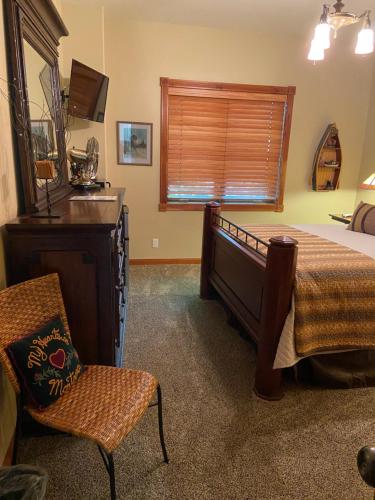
{"points": [[41, 111]]}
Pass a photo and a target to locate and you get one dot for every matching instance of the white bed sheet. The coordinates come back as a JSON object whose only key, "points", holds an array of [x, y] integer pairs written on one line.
{"points": [[286, 354]]}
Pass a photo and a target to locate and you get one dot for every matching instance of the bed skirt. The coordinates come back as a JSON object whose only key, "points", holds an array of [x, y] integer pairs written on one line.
{"points": [[344, 370]]}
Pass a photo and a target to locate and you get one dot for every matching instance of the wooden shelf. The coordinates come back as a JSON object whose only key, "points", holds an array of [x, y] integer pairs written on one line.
{"points": [[326, 177]]}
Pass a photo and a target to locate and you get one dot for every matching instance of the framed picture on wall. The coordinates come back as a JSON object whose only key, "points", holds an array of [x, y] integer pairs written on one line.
{"points": [[134, 143], [42, 132]]}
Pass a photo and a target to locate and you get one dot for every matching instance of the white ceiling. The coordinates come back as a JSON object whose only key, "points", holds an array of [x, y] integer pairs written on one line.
{"points": [[292, 16]]}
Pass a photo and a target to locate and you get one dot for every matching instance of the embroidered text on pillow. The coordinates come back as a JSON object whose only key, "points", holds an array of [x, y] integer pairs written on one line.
{"points": [[46, 363]]}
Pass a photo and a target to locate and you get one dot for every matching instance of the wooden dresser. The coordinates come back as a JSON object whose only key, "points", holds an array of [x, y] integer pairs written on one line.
{"points": [[88, 246]]}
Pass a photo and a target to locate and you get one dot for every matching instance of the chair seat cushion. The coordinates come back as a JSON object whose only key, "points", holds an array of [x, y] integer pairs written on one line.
{"points": [[46, 363], [104, 405]]}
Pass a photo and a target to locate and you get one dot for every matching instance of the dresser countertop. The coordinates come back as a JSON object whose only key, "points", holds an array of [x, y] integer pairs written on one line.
{"points": [[88, 214]]}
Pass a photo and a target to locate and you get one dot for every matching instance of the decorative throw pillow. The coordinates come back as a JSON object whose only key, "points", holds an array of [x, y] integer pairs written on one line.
{"points": [[363, 220], [46, 363]]}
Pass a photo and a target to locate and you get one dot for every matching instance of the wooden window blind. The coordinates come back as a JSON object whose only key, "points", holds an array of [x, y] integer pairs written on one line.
{"points": [[224, 142]]}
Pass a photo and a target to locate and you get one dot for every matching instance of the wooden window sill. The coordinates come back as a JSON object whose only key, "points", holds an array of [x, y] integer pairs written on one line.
{"points": [[240, 207]]}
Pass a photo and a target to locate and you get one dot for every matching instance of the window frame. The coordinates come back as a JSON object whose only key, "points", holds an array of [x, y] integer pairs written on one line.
{"points": [[166, 84]]}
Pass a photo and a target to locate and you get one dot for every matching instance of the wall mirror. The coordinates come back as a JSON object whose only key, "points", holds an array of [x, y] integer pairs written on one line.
{"points": [[34, 29]]}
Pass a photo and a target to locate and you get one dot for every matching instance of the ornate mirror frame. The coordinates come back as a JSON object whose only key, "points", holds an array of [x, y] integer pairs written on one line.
{"points": [[39, 23]]}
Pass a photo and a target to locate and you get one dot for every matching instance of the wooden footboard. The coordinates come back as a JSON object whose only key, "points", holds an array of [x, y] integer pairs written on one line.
{"points": [[255, 280]]}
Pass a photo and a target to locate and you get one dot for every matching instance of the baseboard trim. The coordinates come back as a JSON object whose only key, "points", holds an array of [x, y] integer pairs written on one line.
{"points": [[156, 262]]}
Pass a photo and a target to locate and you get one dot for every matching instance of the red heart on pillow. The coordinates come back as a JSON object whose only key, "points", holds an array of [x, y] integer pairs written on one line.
{"points": [[57, 359]]}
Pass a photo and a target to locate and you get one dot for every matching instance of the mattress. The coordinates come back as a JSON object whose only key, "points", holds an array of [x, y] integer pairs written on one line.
{"points": [[286, 355]]}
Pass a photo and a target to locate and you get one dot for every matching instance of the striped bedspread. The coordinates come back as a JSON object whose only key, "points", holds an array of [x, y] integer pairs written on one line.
{"points": [[334, 293]]}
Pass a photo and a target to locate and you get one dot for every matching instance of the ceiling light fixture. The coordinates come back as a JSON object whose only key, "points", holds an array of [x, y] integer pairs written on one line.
{"points": [[334, 20]]}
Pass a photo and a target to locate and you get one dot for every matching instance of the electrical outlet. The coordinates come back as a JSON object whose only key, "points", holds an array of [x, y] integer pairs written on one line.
{"points": [[155, 243]]}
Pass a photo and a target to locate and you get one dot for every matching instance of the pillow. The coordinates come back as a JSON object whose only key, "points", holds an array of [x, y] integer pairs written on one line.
{"points": [[363, 220], [46, 363]]}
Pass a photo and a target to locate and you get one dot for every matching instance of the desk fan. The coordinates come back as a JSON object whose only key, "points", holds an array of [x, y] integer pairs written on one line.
{"points": [[84, 164]]}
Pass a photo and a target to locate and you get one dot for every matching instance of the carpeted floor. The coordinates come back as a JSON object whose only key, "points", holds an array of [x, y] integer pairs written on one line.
{"points": [[223, 442]]}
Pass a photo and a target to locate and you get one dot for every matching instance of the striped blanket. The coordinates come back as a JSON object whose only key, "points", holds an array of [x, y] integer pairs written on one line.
{"points": [[334, 293]]}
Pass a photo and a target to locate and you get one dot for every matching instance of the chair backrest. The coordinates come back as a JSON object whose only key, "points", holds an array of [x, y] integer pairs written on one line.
{"points": [[24, 308]]}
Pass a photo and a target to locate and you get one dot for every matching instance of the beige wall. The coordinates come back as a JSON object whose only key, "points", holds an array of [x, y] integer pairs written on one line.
{"points": [[137, 54], [368, 157], [8, 210], [86, 44]]}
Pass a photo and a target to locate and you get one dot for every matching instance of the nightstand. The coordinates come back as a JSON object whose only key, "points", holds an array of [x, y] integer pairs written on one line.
{"points": [[341, 218]]}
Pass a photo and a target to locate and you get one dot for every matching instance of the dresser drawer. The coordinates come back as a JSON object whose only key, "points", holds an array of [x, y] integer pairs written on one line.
{"points": [[120, 250]]}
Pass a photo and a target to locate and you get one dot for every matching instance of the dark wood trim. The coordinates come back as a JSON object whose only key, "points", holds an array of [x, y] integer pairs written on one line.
{"points": [[37, 22], [237, 87], [199, 207], [279, 281], [285, 151], [211, 210], [164, 145], [43, 13], [118, 123], [161, 262], [256, 288], [48, 16]]}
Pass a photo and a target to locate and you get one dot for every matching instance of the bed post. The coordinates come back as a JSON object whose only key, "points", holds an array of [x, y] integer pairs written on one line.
{"points": [[211, 209], [279, 282]]}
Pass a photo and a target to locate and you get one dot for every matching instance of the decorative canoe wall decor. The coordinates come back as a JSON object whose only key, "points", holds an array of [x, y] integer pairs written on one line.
{"points": [[327, 161]]}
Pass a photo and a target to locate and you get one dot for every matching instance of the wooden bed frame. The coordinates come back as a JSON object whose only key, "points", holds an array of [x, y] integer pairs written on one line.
{"points": [[255, 280]]}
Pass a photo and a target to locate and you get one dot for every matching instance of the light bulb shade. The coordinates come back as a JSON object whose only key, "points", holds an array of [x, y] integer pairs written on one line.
{"points": [[322, 35], [369, 183], [365, 41], [316, 52]]}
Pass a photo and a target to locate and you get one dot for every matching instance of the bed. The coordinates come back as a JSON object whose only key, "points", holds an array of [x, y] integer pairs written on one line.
{"points": [[298, 291]]}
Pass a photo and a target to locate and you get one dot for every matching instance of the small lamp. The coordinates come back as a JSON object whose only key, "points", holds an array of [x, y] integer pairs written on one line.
{"points": [[369, 183], [45, 169]]}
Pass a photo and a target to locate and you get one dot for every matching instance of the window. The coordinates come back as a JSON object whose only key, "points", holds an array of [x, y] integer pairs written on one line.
{"points": [[224, 142]]}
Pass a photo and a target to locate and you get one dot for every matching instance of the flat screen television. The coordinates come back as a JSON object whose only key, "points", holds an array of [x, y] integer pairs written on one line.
{"points": [[87, 93]]}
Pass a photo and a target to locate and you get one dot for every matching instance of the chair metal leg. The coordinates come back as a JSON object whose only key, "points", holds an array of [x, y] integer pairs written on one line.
{"points": [[109, 465], [108, 458], [161, 431], [112, 479]]}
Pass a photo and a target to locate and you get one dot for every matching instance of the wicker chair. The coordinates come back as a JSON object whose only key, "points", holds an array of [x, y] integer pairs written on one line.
{"points": [[104, 405]]}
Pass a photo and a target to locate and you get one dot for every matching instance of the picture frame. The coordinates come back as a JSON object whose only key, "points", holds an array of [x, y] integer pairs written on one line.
{"points": [[43, 131], [134, 143]]}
